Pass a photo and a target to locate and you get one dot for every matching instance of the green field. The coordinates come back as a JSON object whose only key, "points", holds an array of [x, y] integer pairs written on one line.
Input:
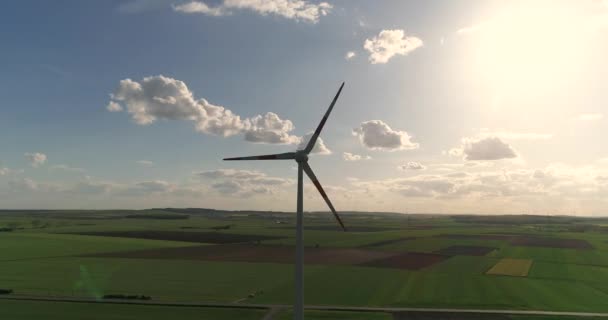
{"points": [[43, 256], [511, 267], [90, 311]]}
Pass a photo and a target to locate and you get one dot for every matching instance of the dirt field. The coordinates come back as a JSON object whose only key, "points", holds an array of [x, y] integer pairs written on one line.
{"points": [[466, 250], [531, 241], [409, 260], [200, 237], [511, 267], [253, 253]]}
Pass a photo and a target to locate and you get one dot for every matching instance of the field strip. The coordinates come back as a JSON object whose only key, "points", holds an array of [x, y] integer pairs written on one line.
{"points": [[312, 307], [511, 267]]}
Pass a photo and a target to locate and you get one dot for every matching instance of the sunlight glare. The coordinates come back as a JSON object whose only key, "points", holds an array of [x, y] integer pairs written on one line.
{"points": [[529, 48]]}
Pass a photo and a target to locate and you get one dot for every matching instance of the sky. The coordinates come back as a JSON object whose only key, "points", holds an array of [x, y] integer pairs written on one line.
{"points": [[483, 107]]}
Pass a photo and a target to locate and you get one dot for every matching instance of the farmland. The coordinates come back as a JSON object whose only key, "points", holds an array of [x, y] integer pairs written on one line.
{"points": [[511, 267], [386, 260]]}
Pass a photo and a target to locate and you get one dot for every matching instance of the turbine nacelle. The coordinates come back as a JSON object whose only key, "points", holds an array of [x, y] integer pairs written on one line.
{"points": [[301, 156]]}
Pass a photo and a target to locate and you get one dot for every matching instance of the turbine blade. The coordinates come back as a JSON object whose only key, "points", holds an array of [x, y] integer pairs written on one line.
{"points": [[313, 139], [278, 156], [317, 184]]}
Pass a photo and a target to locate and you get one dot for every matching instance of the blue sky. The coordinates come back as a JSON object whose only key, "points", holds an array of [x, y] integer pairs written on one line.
{"points": [[459, 106]]}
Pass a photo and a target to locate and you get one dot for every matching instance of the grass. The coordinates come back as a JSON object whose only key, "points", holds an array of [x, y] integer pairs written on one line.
{"points": [[40, 261], [35, 310], [335, 315], [21, 245], [511, 267]]}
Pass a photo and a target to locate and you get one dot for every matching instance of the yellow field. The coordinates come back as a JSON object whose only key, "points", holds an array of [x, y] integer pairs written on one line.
{"points": [[511, 267]]}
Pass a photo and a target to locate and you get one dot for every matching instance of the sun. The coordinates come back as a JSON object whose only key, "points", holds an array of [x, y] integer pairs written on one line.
{"points": [[528, 47]]}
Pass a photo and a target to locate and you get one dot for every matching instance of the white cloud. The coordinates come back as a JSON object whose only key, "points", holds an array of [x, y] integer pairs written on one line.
{"points": [[150, 187], [510, 135], [488, 148], [412, 165], [65, 167], [350, 55], [246, 183], [90, 187], [590, 116], [93, 187], [389, 43], [29, 185], [270, 129], [319, 148], [113, 107], [4, 171], [299, 10], [472, 28], [516, 188], [347, 156], [25, 184], [230, 173], [199, 7], [36, 159], [375, 134], [145, 163], [160, 97]]}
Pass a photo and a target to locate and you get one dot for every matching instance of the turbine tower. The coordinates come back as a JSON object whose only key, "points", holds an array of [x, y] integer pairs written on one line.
{"points": [[301, 157]]}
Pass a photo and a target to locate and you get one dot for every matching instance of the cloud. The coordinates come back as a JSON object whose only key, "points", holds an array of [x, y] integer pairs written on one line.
{"points": [[145, 163], [270, 129], [412, 166], [347, 156], [389, 43], [24, 184], [5, 171], [510, 135], [245, 183], [245, 176], [299, 10], [590, 116], [472, 28], [417, 186], [199, 7], [350, 55], [160, 97], [113, 107], [230, 173], [148, 187], [489, 148], [526, 186], [91, 187], [29, 185], [65, 167], [319, 148], [36, 159], [377, 135]]}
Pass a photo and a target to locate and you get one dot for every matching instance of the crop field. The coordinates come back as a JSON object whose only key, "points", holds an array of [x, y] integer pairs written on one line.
{"points": [[511, 267], [385, 260], [466, 250]]}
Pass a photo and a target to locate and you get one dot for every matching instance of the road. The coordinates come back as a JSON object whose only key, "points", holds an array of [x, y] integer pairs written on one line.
{"points": [[274, 307]]}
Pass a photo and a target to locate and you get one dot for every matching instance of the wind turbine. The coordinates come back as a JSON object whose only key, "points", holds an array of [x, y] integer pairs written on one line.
{"points": [[301, 157]]}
